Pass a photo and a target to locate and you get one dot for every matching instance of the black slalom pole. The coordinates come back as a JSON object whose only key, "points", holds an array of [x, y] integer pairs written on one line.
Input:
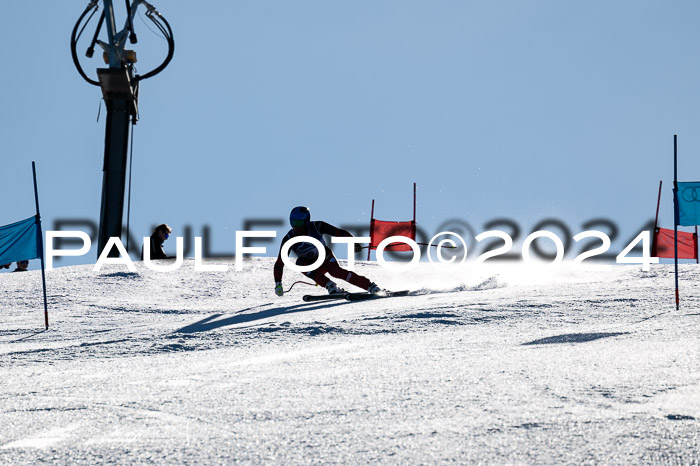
{"points": [[676, 214], [40, 243]]}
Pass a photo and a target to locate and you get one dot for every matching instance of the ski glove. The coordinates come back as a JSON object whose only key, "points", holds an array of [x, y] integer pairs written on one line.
{"points": [[278, 289], [358, 248]]}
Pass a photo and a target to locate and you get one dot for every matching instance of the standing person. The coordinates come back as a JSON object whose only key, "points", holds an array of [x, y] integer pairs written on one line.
{"points": [[160, 234], [300, 220], [22, 266]]}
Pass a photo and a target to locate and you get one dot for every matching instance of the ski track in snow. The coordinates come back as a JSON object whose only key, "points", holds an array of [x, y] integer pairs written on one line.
{"points": [[510, 364]]}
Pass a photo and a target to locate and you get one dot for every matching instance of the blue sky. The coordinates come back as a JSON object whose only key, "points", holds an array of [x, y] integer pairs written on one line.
{"points": [[512, 109]]}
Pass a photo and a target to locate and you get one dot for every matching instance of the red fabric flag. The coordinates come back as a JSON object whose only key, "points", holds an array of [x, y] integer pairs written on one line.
{"points": [[663, 244], [380, 230]]}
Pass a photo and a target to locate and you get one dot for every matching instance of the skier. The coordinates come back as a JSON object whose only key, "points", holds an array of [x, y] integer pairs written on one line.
{"points": [[300, 220]]}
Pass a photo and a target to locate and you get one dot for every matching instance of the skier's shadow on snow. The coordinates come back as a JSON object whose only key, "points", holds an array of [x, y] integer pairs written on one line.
{"points": [[210, 323], [574, 338]]}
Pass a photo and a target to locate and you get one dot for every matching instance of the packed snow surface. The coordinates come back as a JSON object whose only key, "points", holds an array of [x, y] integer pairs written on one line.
{"points": [[506, 364]]}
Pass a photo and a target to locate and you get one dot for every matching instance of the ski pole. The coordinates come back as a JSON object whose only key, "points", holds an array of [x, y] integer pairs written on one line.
{"points": [[419, 244], [303, 283]]}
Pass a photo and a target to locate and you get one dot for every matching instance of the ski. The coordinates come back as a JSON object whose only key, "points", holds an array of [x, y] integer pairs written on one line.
{"points": [[366, 296], [323, 297]]}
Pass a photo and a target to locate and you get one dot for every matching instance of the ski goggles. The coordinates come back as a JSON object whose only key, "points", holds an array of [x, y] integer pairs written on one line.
{"points": [[297, 223]]}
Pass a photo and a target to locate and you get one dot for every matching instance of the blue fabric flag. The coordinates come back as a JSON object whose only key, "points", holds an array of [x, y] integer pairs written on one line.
{"points": [[19, 241], [689, 203]]}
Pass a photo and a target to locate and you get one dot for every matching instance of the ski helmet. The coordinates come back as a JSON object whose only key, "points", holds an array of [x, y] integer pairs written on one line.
{"points": [[300, 216]]}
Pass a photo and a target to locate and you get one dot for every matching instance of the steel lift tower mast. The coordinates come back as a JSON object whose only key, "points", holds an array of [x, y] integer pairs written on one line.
{"points": [[120, 90]]}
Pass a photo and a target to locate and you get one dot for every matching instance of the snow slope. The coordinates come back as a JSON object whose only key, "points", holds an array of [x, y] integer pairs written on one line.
{"points": [[508, 364]]}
